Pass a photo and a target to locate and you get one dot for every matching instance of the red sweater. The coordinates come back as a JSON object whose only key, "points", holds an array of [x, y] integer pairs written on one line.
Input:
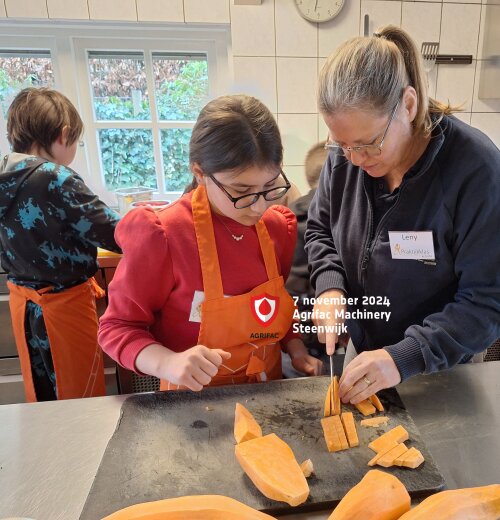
{"points": [[151, 295]]}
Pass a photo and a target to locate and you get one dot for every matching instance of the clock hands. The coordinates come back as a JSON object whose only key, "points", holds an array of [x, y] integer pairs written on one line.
{"points": [[316, 5]]}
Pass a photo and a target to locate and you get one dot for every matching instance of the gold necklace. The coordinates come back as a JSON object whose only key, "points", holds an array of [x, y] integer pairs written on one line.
{"points": [[235, 237]]}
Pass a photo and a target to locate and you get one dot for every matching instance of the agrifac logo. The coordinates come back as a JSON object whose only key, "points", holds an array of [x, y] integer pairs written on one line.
{"points": [[265, 308]]}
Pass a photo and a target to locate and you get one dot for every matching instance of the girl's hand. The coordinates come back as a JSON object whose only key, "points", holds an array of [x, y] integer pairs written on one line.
{"points": [[325, 314], [194, 368], [301, 360], [366, 374]]}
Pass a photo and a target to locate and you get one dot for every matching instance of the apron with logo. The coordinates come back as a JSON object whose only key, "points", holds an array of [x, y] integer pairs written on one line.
{"points": [[249, 326], [71, 323]]}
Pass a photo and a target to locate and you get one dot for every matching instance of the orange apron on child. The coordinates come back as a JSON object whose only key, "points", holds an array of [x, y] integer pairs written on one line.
{"points": [[71, 322], [249, 326]]}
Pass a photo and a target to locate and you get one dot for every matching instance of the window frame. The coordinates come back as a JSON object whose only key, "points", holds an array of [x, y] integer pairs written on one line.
{"points": [[68, 43]]}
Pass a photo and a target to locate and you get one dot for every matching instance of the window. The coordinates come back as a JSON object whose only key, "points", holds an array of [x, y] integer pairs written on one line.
{"points": [[20, 69], [127, 115]]}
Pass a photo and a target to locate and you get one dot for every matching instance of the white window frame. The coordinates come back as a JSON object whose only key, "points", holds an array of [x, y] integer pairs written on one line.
{"points": [[68, 44]]}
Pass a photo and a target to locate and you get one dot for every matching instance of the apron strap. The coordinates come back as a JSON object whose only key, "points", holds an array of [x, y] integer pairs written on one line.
{"points": [[205, 236], [268, 251]]}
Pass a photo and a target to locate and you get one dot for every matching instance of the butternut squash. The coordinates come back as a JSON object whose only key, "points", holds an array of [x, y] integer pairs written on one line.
{"points": [[479, 503], [307, 468], [335, 397], [328, 402], [375, 422], [388, 458], [376, 402], [350, 429], [198, 507], [365, 407], [378, 496], [334, 434], [245, 426], [411, 459], [398, 434], [271, 465]]}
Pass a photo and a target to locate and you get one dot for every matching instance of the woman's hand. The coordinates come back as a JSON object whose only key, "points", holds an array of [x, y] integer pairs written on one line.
{"points": [[194, 368], [301, 360], [366, 374], [325, 314]]}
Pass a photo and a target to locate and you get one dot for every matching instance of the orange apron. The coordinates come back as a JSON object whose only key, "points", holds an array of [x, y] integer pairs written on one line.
{"points": [[71, 321], [249, 326]]}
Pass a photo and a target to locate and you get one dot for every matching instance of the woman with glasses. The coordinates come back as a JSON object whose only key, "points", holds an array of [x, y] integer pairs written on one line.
{"points": [[198, 298], [402, 220]]}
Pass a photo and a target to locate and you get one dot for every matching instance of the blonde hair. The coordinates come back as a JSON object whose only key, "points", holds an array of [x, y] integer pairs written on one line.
{"points": [[37, 116], [315, 159], [370, 73]]}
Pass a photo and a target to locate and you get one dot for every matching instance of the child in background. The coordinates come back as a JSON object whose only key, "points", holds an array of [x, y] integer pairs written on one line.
{"points": [[210, 306], [50, 227]]}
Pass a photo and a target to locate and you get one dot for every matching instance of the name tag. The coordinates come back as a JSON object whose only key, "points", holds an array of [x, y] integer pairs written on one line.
{"points": [[198, 299], [411, 245]]}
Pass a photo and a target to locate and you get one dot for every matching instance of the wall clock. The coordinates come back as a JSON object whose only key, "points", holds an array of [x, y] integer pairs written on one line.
{"points": [[319, 10]]}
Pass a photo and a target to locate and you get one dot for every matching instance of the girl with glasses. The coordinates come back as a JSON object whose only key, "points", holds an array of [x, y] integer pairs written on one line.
{"points": [[402, 220], [198, 298]]}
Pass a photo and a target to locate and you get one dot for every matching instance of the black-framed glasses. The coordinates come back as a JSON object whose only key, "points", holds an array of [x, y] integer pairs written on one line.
{"points": [[251, 198], [371, 150]]}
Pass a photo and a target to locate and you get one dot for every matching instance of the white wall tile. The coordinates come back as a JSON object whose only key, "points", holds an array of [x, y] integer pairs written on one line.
{"points": [[463, 116], [460, 29], [3, 13], [323, 130], [74, 10], [26, 8], [113, 10], [298, 132], [455, 83], [490, 14], [256, 77], [422, 21], [295, 36], [463, 1], [206, 11], [489, 124], [252, 29], [341, 28], [380, 13], [160, 10], [297, 80], [490, 104], [297, 175]]}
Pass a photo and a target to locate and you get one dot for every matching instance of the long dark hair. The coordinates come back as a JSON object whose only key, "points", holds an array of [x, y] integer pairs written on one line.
{"points": [[234, 133]]}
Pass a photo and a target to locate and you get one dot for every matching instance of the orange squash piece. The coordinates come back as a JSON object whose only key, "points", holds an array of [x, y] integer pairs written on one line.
{"points": [[366, 407], [376, 402], [478, 503], [335, 397], [411, 459], [307, 468], [198, 507], [388, 446], [328, 402], [271, 465], [245, 426], [378, 496], [375, 422], [398, 434], [388, 458], [334, 434], [350, 429]]}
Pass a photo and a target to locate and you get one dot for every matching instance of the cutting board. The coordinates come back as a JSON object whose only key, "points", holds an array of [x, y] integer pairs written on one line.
{"points": [[170, 444]]}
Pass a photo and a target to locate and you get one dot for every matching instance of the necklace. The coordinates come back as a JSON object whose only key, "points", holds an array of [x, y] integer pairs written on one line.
{"points": [[235, 237]]}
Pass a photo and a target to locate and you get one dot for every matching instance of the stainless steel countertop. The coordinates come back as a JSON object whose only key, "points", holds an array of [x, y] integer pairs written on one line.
{"points": [[50, 452]]}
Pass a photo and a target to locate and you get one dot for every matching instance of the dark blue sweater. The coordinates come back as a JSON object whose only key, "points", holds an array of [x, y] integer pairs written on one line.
{"points": [[442, 311]]}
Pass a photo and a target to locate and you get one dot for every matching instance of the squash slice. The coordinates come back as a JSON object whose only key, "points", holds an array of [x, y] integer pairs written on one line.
{"points": [[198, 507], [376, 402], [328, 402], [411, 459], [271, 466], [375, 422], [398, 434], [366, 407], [378, 496], [245, 426], [334, 434], [335, 397], [479, 503], [350, 429]]}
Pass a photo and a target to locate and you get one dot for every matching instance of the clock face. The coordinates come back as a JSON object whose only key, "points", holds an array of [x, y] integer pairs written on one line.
{"points": [[319, 10]]}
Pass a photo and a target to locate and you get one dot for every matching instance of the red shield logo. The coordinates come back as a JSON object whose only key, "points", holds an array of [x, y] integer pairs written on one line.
{"points": [[265, 308]]}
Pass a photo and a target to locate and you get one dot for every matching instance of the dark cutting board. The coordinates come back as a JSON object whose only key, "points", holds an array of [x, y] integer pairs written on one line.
{"points": [[170, 444]]}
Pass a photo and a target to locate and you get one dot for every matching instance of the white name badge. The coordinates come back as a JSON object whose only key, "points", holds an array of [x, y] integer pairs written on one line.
{"points": [[198, 299], [411, 245]]}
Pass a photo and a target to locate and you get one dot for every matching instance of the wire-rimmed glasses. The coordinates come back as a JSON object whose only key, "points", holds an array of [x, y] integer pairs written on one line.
{"points": [[371, 150], [251, 198]]}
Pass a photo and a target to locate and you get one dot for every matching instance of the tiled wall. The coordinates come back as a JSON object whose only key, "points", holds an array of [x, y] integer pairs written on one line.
{"points": [[277, 54]]}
